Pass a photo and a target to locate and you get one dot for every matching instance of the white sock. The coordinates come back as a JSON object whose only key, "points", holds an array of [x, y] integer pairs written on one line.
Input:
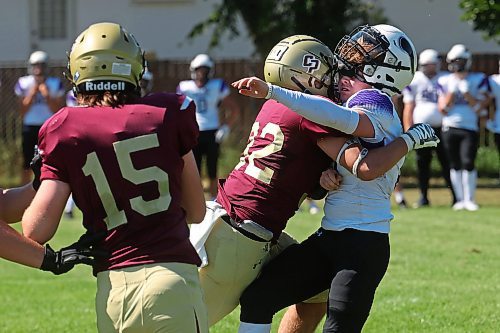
{"points": [[399, 197], [456, 183], [469, 179], [69, 205], [254, 328]]}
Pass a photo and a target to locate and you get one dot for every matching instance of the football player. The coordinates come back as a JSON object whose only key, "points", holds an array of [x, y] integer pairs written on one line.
{"points": [[463, 95], [420, 100], [17, 248], [39, 97], [350, 252], [133, 175], [209, 94], [280, 165]]}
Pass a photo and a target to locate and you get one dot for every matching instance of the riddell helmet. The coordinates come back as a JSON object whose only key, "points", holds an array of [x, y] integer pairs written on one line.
{"points": [[201, 60], [37, 58], [459, 58], [105, 57], [382, 56], [302, 63]]}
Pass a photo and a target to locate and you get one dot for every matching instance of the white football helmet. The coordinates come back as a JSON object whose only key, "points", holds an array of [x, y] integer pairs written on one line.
{"points": [[146, 82], [201, 60], [428, 56], [459, 58], [38, 58], [382, 56]]}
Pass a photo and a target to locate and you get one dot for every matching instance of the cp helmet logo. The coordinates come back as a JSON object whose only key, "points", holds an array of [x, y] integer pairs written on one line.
{"points": [[310, 62]]}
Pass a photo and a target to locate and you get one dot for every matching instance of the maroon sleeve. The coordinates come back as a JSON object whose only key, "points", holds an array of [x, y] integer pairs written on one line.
{"points": [[52, 150], [187, 126], [316, 131]]}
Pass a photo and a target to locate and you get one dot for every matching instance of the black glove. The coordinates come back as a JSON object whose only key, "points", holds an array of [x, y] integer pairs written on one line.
{"points": [[318, 193], [36, 166], [81, 252]]}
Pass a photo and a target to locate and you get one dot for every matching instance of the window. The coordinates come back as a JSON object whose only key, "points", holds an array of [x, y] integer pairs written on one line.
{"points": [[52, 22]]}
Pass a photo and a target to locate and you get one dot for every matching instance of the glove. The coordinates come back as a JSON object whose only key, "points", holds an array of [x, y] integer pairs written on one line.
{"points": [[81, 252], [420, 136], [36, 166], [222, 133]]}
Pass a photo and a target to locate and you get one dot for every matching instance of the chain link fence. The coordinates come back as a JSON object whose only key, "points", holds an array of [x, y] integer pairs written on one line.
{"points": [[167, 75]]}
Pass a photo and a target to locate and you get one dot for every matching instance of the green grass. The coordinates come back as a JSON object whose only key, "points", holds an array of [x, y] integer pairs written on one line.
{"points": [[443, 276]]}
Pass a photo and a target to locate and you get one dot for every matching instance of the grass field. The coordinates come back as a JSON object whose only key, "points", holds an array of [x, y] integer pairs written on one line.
{"points": [[443, 276]]}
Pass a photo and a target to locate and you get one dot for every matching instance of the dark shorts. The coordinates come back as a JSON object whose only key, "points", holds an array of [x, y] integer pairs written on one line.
{"points": [[30, 140], [207, 147]]}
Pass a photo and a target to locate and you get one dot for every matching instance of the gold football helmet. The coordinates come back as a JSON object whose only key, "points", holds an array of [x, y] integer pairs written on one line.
{"points": [[105, 57], [302, 63]]}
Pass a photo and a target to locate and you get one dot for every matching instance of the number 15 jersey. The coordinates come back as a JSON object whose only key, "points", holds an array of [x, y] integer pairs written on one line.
{"points": [[124, 169], [281, 163]]}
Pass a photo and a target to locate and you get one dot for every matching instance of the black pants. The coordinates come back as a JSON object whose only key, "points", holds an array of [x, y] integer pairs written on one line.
{"points": [[208, 148], [350, 262], [30, 139], [461, 147], [424, 159]]}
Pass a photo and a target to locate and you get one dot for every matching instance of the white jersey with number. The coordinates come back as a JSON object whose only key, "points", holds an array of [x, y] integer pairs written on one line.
{"points": [[461, 114], [495, 91], [423, 91], [366, 205], [207, 100]]}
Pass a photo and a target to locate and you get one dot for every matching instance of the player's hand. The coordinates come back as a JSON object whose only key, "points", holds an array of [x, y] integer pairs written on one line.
{"points": [[330, 180], [420, 136], [222, 133], [84, 251], [36, 166], [252, 86]]}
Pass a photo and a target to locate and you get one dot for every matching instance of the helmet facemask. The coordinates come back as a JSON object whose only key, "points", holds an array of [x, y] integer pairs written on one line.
{"points": [[366, 55]]}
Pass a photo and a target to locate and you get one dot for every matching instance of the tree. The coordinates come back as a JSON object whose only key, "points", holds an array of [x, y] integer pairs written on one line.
{"points": [[484, 16], [269, 21]]}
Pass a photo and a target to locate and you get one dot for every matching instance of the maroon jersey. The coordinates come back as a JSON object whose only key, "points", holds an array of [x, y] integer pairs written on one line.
{"points": [[280, 164], [124, 168]]}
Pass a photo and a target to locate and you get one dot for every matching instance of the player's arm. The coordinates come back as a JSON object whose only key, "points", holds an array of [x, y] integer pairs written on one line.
{"points": [[408, 109], [368, 165], [14, 201], [317, 109], [41, 219], [193, 200], [17, 248]]}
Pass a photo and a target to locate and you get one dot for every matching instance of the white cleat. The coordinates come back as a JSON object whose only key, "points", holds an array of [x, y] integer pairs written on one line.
{"points": [[459, 205], [471, 206]]}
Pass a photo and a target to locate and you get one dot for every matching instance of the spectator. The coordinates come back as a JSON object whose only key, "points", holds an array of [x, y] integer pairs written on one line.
{"points": [[39, 97], [209, 94], [421, 106], [493, 125], [462, 96]]}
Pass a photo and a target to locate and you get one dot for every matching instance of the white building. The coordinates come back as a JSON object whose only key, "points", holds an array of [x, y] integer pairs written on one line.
{"points": [[161, 26]]}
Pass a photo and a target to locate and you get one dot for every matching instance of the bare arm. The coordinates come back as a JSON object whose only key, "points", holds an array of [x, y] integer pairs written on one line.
{"points": [[17, 248], [408, 115], [14, 201], [41, 219], [26, 101], [377, 162], [54, 103], [229, 104], [193, 200]]}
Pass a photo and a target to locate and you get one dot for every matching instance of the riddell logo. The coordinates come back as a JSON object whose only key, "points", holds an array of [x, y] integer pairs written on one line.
{"points": [[101, 86]]}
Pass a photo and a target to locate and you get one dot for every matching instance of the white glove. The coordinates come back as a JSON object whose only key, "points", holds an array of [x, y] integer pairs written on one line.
{"points": [[222, 133], [420, 136]]}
